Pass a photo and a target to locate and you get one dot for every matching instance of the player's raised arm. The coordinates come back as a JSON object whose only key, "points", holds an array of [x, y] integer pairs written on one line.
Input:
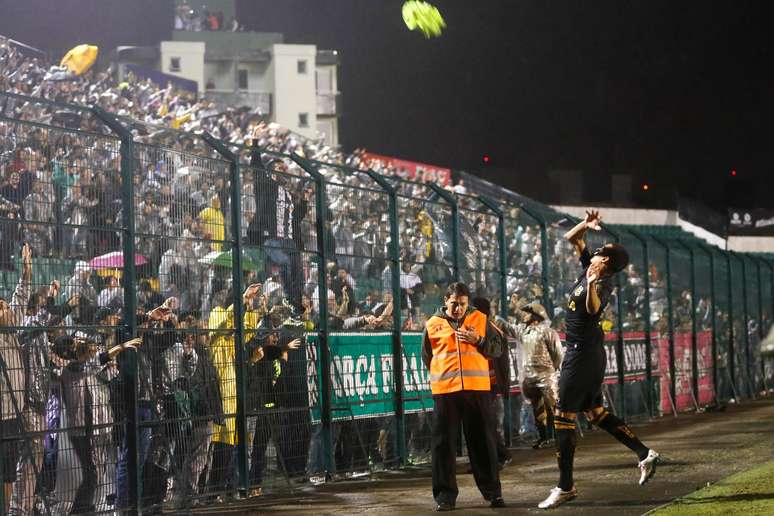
{"points": [[576, 234]]}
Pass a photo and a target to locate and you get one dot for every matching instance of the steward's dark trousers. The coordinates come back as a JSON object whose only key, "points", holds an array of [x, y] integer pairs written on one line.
{"points": [[474, 410]]}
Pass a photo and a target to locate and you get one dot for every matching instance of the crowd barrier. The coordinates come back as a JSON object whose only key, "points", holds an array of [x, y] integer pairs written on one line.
{"points": [[279, 304]]}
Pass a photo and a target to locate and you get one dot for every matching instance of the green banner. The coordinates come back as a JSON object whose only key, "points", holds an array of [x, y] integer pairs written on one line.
{"points": [[362, 376]]}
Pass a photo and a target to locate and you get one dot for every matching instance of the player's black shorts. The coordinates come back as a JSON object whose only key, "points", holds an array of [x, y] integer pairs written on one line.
{"points": [[583, 372]]}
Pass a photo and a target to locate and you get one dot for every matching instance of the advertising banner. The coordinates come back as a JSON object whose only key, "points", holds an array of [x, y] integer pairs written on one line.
{"points": [[362, 382], [683, 388], [757, 222], [362, 376], [413, 171]]}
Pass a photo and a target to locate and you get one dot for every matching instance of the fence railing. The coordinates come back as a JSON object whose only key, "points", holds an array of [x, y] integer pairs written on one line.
{"points": [[279, 305]]}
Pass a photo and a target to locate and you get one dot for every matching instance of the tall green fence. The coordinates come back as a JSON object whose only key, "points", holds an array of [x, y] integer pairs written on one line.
{"points": [[273, 309]]}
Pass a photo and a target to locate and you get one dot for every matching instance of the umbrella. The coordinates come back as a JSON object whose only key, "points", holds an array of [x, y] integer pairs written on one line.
{"points": [[114, 260], [79, 59], [224, 259]]}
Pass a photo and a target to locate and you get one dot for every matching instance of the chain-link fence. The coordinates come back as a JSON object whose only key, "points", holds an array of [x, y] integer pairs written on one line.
{"points": [[186, 321]]}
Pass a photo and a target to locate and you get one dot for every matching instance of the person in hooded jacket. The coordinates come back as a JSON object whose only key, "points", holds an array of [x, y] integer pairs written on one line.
{"points": [[35, 349], [268, 362], [77, 472], [500, 380], [541, 350], [206, 410], [12, 376]]}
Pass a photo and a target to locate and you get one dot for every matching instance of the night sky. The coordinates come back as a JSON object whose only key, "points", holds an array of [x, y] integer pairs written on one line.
{"points": [[677, 94]]}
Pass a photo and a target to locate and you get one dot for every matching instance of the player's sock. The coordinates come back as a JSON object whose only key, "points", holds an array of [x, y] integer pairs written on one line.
{"points": [[621, 431], [540, 422], [565, 450]]}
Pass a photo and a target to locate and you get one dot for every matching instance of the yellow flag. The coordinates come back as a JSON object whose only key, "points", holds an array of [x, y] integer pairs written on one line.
{"points": [[79, 59]]}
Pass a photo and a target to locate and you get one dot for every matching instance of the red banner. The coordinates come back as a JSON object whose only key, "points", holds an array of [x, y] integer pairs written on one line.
{"points": [[635, 360], [413, 171], [683, 370]]}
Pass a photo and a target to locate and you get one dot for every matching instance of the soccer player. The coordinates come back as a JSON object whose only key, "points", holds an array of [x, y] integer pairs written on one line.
{"points": [[583, 366]]}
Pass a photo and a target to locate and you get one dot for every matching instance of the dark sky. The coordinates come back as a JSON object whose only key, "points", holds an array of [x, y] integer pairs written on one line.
{"points": [[675, 93]]}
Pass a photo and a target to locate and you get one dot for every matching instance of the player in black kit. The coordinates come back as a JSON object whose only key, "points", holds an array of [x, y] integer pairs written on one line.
{"points": [[583, 367]]}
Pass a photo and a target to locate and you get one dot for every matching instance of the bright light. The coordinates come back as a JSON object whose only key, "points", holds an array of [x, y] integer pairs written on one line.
{"points": [[486, 158], [645, 187], [733, 173]]}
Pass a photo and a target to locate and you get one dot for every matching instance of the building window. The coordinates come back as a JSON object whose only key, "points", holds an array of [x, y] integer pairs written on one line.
{"points": [[302, 66], [242, 79], [303, 120], [174, 64]]}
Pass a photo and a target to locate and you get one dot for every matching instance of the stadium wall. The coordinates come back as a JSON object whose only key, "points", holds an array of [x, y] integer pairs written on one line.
{"points": [[748, 244]]}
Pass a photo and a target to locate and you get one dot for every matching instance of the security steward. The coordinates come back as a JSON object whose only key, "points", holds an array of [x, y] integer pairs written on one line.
{"points": [[457, 344]]}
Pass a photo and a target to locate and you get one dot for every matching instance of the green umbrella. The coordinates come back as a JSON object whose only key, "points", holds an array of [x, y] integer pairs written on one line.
{"points": [[224, 259]]}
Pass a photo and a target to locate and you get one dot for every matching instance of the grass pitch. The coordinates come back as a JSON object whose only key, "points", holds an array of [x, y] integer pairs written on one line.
{"points": [[749, 492]]}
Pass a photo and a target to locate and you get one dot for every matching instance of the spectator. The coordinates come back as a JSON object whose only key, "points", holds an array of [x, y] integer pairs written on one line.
{"points": [[38, 208], [213, 224], [341, 283], [13, 384], [222, 354], [112, 294], [78, 206], [80, 285], [410, 289], [206, 411], [268, 358]]}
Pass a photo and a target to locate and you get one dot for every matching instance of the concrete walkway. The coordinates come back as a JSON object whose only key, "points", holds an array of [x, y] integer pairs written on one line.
{"points": [[697, 448]]}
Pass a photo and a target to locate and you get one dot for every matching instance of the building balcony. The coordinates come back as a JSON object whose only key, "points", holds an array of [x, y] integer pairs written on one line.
{"points": [[259, 101], [328, 104]]}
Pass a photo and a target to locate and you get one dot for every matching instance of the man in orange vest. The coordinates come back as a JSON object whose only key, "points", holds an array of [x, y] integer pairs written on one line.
{"points": [[457, 344]]}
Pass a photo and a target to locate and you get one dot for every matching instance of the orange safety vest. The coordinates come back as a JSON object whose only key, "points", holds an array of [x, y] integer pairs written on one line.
{"points": [[457, 366]]}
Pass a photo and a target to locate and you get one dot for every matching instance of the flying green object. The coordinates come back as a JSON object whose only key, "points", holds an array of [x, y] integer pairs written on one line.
{"points": [[418, 15]]}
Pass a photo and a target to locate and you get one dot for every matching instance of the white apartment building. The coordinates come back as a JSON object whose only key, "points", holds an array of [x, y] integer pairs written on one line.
{"points": [[293, 85]]}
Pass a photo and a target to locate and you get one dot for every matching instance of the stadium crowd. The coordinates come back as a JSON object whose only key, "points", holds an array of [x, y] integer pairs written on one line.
{"points": [[62, 214]]}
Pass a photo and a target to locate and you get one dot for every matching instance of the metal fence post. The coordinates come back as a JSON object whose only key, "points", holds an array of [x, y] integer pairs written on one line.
{"points": [[397, 344], [770, 264], [321, 215], [745, 323], [760, 299], [544, 274], [236, 281], [455, 240], [503, 258], [714, 347], [129, 284], [619, 344], [694, 344], [760, 262], [671, 329], [648, 342], [731, 344], [760, 316]]}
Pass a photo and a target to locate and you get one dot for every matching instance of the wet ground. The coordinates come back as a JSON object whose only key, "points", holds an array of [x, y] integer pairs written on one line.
{"points": [[696, 448]]}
